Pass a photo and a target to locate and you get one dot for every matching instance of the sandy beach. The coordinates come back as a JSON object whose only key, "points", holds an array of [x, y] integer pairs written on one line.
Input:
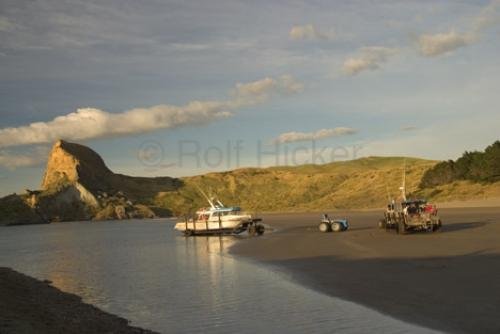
{"points": [[448, 281], [28, 305]]}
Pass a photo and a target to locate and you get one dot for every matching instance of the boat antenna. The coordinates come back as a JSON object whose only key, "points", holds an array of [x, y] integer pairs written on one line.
{"points": [[403, 187], [206, 197], [215, 199]]}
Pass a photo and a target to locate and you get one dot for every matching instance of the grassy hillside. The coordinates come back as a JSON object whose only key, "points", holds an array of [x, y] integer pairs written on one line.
{"points": [[462, 191], [356, 184], [360, 183]]}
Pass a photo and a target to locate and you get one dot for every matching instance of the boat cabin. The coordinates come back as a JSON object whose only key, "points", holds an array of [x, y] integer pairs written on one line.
{"points": [[205, 214]]}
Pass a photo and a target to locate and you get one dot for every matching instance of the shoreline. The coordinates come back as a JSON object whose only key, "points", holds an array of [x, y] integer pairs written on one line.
{"points": [[28, 305], [447, 281], [479, 203]]}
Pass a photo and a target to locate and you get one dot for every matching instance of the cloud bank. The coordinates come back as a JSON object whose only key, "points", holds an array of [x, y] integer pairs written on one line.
{"points": [[90, 123], [427, 45], [290, 137], [368, 58], [309, 32]]}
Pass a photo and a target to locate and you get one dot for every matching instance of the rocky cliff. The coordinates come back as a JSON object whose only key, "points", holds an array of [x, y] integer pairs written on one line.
{"points": [[71, 163], [77, 185]]}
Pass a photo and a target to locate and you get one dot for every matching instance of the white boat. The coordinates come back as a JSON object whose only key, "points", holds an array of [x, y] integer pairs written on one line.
{"points": [[219, 219]]}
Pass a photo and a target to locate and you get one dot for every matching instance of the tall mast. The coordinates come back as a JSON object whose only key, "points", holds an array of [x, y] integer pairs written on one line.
{"points": [[206, 197], [403, 187], [388, 194]]}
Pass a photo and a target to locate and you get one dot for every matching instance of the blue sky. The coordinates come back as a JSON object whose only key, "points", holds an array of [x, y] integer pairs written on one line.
{"points": [[311, 81]]}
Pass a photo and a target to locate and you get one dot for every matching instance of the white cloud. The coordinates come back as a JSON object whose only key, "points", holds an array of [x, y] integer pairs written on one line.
{"points": [[263, 89], [290, 137], [309, 32], [35, 157], [437, 44], [369, 58], [288, 85], [88, 123], [431, 45]]}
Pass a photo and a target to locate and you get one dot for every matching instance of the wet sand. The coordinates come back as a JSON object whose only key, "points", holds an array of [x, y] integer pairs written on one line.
{"points": [[28, 305], [448, 281]]}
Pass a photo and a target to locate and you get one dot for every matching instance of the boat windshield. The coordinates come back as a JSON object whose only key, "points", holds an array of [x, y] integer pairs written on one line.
{"points": [[230, 213]]}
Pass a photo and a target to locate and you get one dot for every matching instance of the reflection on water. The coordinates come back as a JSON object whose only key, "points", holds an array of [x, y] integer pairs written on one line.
{"points": [[145, 272]]}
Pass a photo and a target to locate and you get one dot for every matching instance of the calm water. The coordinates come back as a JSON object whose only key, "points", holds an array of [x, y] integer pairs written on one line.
{"points": [[147, 273]]}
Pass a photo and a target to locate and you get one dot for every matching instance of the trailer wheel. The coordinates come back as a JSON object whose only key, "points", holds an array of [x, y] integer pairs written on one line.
{"points": [[260, 229], [188, 233], [252, 230], [336, 227], [324, 227]]}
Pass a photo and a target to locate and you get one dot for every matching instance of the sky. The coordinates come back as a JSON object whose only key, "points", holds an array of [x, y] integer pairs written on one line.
{"points": [[176, 88]]}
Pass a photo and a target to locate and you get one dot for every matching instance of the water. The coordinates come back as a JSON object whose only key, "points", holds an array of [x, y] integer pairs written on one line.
{"points": [[147, 273]]}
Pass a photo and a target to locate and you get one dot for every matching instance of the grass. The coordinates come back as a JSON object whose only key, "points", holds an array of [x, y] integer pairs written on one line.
{"points": [[361, 183], [357, 184], [463, 191]]}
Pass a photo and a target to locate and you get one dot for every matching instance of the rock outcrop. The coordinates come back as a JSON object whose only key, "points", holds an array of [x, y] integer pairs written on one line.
{"points": [[77, 185], [71, 163], [15, 210]]}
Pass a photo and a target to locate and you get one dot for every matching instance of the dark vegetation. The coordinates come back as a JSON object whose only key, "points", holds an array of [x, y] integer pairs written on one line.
{"points": [[473, 166]]}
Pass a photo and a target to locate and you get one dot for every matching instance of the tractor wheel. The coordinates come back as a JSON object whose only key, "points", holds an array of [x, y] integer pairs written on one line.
{"points": [[401, 228], [436, 227], [336, 227], [252, 230], [260, 229], [324, 227]]}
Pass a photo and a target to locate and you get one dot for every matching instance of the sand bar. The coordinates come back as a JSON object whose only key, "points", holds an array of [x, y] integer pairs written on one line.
{"points": [[448, 281]]}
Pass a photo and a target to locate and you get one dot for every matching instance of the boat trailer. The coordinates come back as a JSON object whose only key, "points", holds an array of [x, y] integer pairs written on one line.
{"points": [[253, 227]]}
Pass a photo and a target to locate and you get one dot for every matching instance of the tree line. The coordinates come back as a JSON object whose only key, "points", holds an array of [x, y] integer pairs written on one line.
{"points": [[474, 166]]}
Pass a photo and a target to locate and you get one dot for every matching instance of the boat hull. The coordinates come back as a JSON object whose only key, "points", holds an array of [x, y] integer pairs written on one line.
{"points": [[232, 226], [211, 227]]}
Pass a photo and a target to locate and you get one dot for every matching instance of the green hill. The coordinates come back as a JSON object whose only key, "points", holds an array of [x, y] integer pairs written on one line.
{"points": [[361, 183]]}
